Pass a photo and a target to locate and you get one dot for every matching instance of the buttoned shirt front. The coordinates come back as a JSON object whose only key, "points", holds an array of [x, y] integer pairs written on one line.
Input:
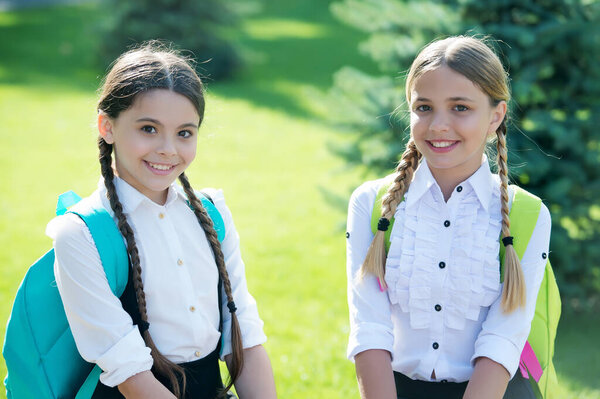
{"points": [[442, 308], [179, 276]]}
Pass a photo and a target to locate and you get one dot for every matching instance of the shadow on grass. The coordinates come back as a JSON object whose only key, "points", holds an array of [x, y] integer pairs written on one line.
{"points": [[50, 46], [577, 354], [306, 56]]}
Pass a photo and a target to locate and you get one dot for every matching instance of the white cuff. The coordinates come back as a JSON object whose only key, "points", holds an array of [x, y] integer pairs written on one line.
{"points": [[128, 357], [500, 350], [369, 336]]}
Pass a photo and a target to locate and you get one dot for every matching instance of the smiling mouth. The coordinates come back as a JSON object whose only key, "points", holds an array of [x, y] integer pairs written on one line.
{"points": [[442, 144], [161, 167]]}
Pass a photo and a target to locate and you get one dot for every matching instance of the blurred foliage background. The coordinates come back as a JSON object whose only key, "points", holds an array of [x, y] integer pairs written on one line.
{"points": [[552, 52], [300, 110]]}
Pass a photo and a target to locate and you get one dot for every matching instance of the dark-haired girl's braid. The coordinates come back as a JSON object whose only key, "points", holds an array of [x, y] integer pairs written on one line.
{"points": [[513, 293], [237, 362], [162, 365], [374, 262]]}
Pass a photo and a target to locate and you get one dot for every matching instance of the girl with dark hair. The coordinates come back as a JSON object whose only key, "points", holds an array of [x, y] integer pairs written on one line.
{"points": [[431, 318], [189, 304]]}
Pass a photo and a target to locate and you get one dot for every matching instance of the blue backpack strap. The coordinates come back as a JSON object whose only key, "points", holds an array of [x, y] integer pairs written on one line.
{"points": [[211, 209], [108, 241], [114, 258]]}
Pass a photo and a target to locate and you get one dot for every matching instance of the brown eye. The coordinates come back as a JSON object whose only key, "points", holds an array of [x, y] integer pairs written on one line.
{"points": [[185, 134], [423, 108], [148, 129]]}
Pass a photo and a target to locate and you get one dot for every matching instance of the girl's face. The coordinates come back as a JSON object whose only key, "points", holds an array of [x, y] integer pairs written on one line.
{"points": [[154, 140], [451, 120]]}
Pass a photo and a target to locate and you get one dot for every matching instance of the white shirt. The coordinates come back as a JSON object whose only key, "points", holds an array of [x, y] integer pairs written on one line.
{"points": [[180, 278], [440, 316]]}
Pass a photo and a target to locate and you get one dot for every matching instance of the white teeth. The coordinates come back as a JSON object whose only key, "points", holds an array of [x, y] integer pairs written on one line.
{"points": [[441, 144], [159, 167]]}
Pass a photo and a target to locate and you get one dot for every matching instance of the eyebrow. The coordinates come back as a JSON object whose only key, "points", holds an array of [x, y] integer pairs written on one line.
{"points": [[189, 124], [467, 99]]}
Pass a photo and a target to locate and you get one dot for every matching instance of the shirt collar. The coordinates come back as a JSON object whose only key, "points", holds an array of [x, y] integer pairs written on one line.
{"points": [[482, 182], [422, 182], [131, 198]]}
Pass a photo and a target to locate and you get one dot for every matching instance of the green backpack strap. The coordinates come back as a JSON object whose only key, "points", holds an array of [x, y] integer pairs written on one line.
{"points": [[376, 213], [524, 213]]}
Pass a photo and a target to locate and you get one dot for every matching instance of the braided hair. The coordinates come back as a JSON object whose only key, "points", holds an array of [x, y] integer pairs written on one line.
{"points": [[472, 58], [155, 66]]}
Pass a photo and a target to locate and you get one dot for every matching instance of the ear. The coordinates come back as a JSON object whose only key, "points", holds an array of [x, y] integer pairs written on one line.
{"points": [[105, 127], [497, 116]]}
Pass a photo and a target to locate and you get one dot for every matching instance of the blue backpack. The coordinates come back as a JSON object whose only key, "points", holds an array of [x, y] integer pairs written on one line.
{"points": [[40, 353]]}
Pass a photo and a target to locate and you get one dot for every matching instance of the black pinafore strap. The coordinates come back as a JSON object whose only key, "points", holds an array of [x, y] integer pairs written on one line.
{"points": [[203, 376]]}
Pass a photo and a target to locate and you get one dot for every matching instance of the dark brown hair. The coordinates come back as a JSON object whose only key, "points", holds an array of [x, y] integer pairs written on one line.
{"points": [[154, 66]]}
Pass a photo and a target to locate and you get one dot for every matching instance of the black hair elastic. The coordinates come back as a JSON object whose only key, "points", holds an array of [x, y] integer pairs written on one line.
{"points": [[231, 306], [507, 241], [143, 326], [383, 224]]}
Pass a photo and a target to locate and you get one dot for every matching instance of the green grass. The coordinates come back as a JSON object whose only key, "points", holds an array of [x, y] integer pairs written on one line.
{"points": [[264, 142]]}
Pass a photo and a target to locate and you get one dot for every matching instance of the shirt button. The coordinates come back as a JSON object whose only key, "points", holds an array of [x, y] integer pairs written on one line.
{"points": [[459, 189], [161, 215], [442, 265], [544, 255], [180, 262], [347, 235], [435, 345], [197, 353], [192, 309], [446, 223], [438, 308]]}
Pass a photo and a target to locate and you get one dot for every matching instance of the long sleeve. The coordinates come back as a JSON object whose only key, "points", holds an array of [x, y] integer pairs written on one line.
{"points": [[369, 308], [103, 331], [251, 325], [503, 336]]}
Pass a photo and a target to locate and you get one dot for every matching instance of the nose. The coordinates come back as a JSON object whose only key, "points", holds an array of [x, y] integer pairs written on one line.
{"points": [[439, 123], [167, 146]]}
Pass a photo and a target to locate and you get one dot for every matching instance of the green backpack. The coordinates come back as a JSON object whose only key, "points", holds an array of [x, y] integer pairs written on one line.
{"points": [[536, 358], [40, 353]]}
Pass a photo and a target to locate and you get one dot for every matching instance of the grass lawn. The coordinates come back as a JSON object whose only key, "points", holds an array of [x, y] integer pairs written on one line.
{"points": [[264, 142]]}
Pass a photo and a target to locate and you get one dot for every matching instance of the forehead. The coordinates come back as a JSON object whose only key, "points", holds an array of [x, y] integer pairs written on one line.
{"points": [[163, 104], [445, 83]]}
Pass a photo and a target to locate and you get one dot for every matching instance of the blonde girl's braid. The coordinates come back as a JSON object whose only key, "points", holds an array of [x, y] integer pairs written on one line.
{"points": [[513, 293], [237, 362], [162, 365], [374, 262]]}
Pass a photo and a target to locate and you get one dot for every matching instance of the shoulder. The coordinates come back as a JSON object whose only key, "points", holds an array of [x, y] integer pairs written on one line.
{"points": [[367, 191], [71, 228]]}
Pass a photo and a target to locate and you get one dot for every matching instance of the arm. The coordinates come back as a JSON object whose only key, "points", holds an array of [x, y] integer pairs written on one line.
{"points": [[371, 332], [144, 386], [489, 380], [503, 335], [256, 380], [375, 375], [103, 331]]}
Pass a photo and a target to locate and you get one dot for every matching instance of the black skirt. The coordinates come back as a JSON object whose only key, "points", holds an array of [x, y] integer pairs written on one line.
{"points": [[203, 380], [406, 388]]}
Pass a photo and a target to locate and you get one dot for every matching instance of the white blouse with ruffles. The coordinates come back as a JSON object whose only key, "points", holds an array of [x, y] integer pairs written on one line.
{"points": [[442, 308]]}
